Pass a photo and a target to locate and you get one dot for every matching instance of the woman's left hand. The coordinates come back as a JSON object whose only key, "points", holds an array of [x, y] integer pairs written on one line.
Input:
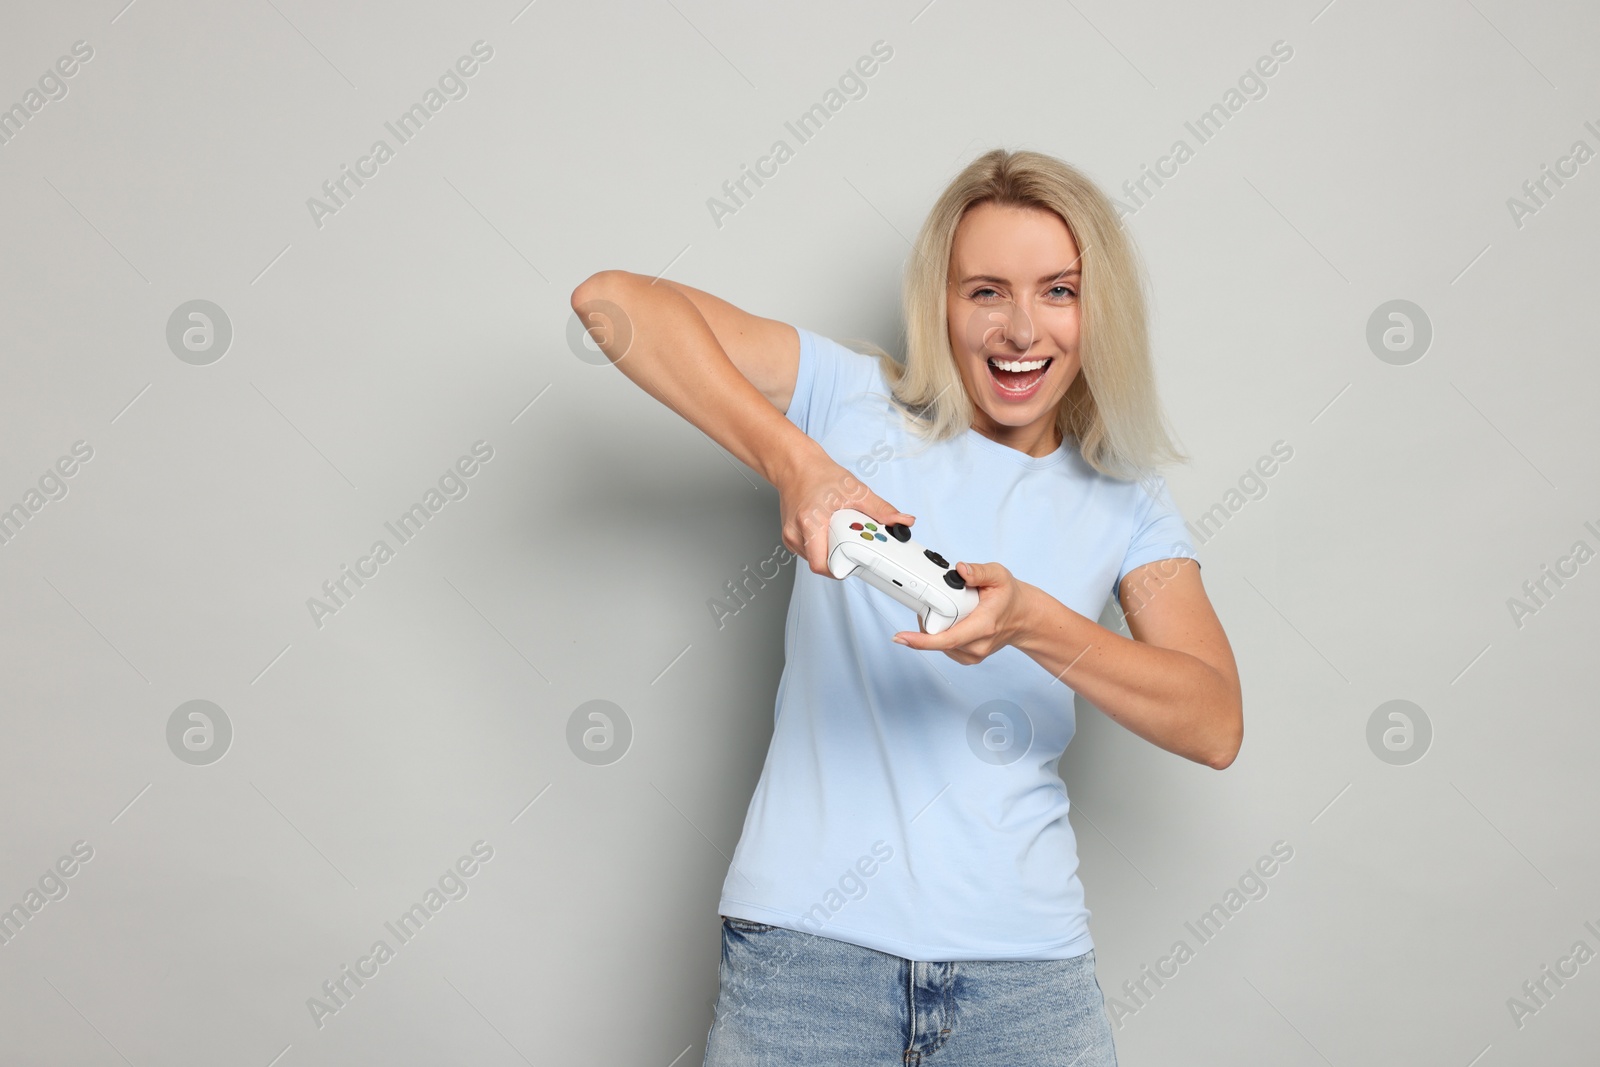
{"points": [[995, 623]]}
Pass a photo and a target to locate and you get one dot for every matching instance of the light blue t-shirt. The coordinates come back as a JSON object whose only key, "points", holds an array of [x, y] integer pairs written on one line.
{"points": [[908, 803]]}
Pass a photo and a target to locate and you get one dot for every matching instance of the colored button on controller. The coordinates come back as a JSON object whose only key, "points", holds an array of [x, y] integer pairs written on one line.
{"points": [[855, 526]]}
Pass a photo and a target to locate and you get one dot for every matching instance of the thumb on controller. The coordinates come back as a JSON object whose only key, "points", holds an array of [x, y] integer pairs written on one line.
{"points": [[884, 512]]}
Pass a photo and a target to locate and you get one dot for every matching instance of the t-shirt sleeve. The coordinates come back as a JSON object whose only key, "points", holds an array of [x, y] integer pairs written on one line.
{"points": [[1159, 531], [830, 374]]}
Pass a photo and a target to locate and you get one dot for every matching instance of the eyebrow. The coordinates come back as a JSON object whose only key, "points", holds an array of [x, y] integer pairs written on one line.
{"points": [[1071, 272]]}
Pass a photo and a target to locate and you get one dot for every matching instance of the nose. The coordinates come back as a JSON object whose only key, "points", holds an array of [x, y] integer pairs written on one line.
{"points": [[1005, 324]]}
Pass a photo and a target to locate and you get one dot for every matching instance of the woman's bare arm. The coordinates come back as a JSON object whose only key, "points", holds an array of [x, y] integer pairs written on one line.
{"points": [[666, 345], [1174, 683], [732, 374]]}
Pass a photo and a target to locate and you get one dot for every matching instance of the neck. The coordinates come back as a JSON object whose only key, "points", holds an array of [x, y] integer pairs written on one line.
{"points": [[1036, 439]]}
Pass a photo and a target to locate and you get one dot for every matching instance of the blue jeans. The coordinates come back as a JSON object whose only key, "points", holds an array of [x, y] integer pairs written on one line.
{"points": [[791, 997]]}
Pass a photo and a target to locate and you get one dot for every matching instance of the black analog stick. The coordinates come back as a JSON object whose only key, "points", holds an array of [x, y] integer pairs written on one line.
{"points": [[954, 580], [898, 532]]}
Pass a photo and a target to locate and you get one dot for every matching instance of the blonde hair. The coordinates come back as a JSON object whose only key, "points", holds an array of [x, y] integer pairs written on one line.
{"points": [[1111, 409]]}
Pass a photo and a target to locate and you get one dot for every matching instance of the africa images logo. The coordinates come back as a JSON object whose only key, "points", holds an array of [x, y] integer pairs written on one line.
{"points": [[452, 85], [338, 991]]}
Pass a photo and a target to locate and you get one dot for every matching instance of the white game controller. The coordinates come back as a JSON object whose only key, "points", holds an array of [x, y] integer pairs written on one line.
{"points": [[886, 558]]}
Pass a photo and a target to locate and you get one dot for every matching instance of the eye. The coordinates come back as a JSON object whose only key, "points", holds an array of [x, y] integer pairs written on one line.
{"points": [[979, 292], [1067, 292]]}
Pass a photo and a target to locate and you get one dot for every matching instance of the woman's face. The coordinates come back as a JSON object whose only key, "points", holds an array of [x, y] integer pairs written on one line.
{"points": [[1013, 319]]}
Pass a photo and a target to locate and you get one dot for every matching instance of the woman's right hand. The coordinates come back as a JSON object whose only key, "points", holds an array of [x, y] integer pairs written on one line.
{"points": [[810, 491]]}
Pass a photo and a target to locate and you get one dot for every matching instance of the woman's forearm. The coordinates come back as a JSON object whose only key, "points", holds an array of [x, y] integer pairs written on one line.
{"points": [[1169, 698], [666, 347]]}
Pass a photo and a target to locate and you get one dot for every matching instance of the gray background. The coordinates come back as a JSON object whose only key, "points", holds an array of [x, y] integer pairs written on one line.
{"points": [[368, 354]]}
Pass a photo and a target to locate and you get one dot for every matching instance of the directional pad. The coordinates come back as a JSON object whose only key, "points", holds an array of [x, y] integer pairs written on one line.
{"points": [[938, 560]]}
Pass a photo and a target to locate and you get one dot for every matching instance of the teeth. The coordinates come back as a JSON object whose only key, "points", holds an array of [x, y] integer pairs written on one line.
{"points": [[1018, 365]]}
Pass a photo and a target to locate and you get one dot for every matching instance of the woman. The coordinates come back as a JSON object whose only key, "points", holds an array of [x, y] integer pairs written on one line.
{"points": [[906, 882]]}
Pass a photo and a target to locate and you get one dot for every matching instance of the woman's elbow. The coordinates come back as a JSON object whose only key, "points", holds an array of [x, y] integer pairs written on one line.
{"points": [[1230, 739], [599, 286]]}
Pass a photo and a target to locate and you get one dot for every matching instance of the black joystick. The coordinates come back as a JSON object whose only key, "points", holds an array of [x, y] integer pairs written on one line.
{"points": [[898, 532], [954, 580]]}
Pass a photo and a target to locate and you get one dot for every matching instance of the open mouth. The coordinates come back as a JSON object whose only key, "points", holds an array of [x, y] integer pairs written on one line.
{"points": [[1018, 379]]}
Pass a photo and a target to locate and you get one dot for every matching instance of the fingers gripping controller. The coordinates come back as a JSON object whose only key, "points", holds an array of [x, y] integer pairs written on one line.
{"points": [[886, 558]]}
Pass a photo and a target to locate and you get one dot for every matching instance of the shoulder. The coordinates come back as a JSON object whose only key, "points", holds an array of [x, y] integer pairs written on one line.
{"points": [[1135, 495], [830, 379], [849, 363]]}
